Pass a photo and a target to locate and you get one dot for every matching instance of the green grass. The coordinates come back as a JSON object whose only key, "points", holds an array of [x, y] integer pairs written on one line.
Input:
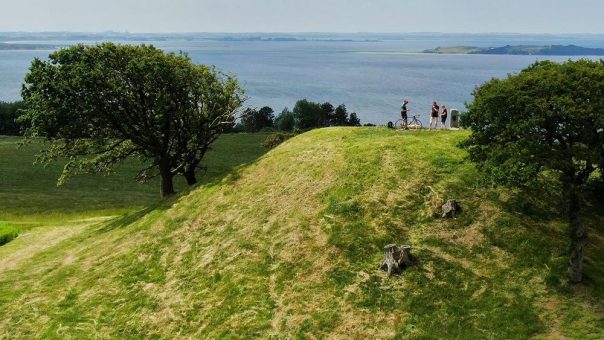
{"points": [[8, 233], [288, 244], [29, 194]]}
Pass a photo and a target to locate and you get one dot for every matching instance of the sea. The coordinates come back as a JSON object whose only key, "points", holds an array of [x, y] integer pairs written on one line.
{"points": [[369, 73]]}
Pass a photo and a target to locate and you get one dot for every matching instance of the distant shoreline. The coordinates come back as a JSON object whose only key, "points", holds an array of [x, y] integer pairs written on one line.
{"points": [[551, 50]]}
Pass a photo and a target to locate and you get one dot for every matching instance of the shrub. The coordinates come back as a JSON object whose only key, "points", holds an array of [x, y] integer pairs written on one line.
{"points": [[275, 139], [267, 129], [8, 233]]}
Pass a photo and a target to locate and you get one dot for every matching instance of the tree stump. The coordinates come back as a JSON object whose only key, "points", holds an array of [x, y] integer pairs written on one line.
{"points": [[450, 209], [396, 259]]}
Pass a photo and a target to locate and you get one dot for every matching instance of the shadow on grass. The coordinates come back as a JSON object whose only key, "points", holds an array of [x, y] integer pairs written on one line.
{"points": [[534, 227], [224, 164]]}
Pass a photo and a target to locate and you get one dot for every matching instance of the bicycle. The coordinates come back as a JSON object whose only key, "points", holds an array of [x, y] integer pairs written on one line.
{"points": [[412, 122]]}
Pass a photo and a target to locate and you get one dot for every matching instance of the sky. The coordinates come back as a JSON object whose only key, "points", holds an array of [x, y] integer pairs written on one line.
{"points": [[448, 16]]}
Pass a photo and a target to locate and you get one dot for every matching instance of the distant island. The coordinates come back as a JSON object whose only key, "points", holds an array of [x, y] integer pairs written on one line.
{"points": [[23, 46], [560, 50]]}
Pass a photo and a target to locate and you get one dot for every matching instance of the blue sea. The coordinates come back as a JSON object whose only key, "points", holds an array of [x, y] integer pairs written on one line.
{"points": [[368, 73]]}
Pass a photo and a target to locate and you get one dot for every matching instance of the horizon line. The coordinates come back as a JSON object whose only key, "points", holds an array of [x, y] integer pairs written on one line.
{"points": [[126, 32]]}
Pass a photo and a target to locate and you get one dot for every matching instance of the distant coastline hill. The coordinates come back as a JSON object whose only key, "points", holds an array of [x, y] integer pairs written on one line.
{"points": [[568, 50], [26, 46]]}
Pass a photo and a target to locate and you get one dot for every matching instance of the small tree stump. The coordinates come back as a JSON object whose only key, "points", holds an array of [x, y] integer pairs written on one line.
{"points": [[450, 209], [396, 259]]}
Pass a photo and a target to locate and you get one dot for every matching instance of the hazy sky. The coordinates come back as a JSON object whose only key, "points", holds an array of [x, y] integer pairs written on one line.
{"points": [[532, 16]]}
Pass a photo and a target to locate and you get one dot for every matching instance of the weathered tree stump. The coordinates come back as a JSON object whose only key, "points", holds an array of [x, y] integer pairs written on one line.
{"points": [[450, 209], [396, 259]]}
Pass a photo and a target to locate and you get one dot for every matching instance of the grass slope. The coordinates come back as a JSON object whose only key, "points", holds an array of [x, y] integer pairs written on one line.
{"points": [[289, 246]]}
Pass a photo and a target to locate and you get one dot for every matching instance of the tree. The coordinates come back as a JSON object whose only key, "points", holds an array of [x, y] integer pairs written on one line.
{"points": [[354, 120], [326, 115], [307, 114], [255, 120], [98, 105], [9, 122], [285, 121], [549, 118], [340, 116]]}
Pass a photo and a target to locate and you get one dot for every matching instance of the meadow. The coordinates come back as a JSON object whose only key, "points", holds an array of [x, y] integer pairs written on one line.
{"points": [[287, 243], [30, 197]]}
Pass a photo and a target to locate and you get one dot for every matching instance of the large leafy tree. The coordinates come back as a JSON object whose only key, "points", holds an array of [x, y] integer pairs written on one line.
{"points": [[97, 105], [549, 118]]}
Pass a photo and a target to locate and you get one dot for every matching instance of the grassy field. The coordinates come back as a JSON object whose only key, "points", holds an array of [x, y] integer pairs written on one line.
{"points": [[29, 194], [288, 244]]}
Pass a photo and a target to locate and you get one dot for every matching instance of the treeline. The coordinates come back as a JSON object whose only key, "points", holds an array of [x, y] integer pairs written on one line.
{"points": [[9, 124], [305, 115]]}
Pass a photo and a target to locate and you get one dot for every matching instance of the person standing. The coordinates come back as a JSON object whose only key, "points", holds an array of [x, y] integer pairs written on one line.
{"points": [[434, 115], [404, 111], [443, 117]]}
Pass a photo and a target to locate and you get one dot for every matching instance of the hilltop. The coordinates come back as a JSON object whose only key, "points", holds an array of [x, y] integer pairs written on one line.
{"points": [[569, 50], [289, 245]]}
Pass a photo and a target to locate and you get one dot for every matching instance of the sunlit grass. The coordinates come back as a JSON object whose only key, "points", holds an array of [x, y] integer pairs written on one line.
{"points": [[288, 245]]}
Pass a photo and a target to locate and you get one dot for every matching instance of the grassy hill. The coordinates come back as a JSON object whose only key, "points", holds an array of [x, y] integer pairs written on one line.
{"points": [[288, 245]]}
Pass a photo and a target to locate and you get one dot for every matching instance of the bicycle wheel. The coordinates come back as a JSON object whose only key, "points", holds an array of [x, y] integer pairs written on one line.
{"points": [[400, 124], [415, 124]]}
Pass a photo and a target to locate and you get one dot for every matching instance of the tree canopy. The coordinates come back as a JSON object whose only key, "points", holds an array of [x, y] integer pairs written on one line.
{"points": [[549, 118], [254, 120], [309, 115], [98, 105]]}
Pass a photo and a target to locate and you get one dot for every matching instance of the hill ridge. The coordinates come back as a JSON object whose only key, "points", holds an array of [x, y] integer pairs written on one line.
{"points": [[289, 245]]}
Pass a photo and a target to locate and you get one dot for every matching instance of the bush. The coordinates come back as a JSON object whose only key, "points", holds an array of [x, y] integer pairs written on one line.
{"points": [[275, 139], [8, 233], [9, 118], [267, 129]]}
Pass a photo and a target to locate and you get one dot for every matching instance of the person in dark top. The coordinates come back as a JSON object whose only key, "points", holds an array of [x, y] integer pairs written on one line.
{"points": [[434, 115], [443, 117], [404, 111]]}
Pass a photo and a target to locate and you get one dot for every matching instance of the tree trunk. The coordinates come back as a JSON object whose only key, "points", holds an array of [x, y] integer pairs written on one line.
{"points": [[190, 176], [167, 185], [578, 236], [396, 258]]}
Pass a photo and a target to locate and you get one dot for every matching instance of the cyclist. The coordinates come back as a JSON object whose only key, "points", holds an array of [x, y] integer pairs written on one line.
{"points": [[404, 111]]}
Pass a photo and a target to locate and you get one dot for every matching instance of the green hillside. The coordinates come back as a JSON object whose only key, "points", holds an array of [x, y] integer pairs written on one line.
{"points": [[288, 245]]}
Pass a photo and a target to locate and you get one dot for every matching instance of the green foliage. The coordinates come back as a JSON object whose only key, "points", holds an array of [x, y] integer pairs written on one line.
{"points": [[285, 121], [9, 118], [354, 120], [339, 116], [275, 139], [309, 115], [548, 119], [253, 120], [8, 233], [99, 105]]}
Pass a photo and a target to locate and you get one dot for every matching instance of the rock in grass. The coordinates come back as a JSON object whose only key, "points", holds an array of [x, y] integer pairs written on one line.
{"points": [[396, 259], [450, 209]]}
